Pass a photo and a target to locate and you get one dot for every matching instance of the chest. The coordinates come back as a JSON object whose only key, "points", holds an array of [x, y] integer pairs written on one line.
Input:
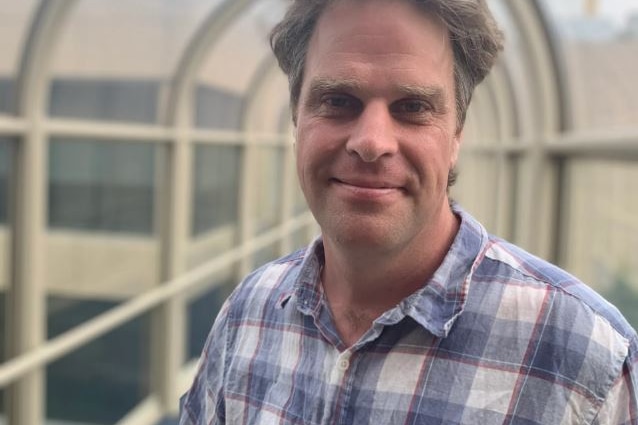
{"points": [[405, 376]]}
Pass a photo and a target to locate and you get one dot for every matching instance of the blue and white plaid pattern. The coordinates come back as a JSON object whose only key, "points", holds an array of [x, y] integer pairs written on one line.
{"points": [[497, 336]]}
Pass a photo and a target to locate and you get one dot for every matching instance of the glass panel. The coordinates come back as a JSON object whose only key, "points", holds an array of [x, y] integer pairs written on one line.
{"points": [[599, 40], [478, 199], [265, 255], [15, 17], [300, 238], [119, 75], [102, 381], [218, 108], [232, 68], [101, 250], [300, 205], [269, 110], [268, 187], [216, 184], [515, 60], [601, 230], [228, 71], [101, 186], [101, 220], [202, 312]]}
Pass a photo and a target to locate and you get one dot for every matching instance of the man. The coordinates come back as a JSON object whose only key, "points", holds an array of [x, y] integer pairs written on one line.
{"points": [[404, 311]]}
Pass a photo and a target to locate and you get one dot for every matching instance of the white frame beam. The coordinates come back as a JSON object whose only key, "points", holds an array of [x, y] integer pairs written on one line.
{"points": [[27, 295]]}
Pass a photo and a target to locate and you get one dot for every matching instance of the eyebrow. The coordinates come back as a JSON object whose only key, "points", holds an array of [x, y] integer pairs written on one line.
{"points": [[433, 94], [323, 85]]}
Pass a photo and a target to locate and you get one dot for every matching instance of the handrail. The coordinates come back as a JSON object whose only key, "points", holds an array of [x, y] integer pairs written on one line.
{"points": [[57, 347], [603, 143], [12, 126]]}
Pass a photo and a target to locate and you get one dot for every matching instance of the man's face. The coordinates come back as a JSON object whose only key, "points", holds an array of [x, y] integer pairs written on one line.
{"points": [[376, 132]]}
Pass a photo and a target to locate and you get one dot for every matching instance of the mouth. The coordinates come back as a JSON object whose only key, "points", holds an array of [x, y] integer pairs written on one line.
{"points": [[369, 187]]}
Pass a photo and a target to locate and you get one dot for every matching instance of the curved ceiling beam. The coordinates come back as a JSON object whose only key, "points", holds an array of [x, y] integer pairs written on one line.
{"points": [[547, 107], [566, 121], [28, 284], [179, 105], [33, 75], [264, 74]]}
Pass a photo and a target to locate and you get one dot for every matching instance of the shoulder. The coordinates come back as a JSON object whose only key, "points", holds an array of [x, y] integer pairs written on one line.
{"points": [[267, 286], [554, 316], [525, 278], [268, 289]]}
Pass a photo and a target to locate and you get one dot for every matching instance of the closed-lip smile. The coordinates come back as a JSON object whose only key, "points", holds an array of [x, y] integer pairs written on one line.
{"points": [[367, 184]]}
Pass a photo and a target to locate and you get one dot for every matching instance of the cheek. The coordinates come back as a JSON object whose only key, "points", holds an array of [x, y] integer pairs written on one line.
{"points": [[304, 160]]}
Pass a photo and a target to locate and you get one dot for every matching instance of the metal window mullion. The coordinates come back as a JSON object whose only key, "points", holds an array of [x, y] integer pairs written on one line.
{"points": [[11, 126]]}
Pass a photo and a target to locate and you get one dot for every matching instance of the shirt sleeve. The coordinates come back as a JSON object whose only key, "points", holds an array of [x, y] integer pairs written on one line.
{"points": [[204, 401], [621, 405]]}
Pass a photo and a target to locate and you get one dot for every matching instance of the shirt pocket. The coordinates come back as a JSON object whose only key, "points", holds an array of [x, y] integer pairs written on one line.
{"points": [[269, 395]]}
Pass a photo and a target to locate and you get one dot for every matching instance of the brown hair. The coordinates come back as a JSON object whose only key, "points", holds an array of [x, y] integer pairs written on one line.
{"points": [[476, 42]]}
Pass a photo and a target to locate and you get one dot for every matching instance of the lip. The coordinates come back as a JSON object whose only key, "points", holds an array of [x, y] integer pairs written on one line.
{"points": [[368, 189]]}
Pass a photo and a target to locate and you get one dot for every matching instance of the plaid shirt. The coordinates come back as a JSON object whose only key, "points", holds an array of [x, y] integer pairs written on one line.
{"points": [[496, 336]]}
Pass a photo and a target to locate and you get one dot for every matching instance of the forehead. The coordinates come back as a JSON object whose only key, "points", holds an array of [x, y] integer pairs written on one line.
{"points": [[396, 35]]}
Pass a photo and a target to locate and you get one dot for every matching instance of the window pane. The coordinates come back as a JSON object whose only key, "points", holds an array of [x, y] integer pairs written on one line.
{"points": [[270, 253], [300, 204], [228, 71], [268, 187], [599, 42], [216, 184], [602, 230], [202, 312], [231, 68], [101, 214], [300, 238], [478, 199], [218, 108], [101, 186], [115, 57], [124, 99], [15, 18], [102, 381]]}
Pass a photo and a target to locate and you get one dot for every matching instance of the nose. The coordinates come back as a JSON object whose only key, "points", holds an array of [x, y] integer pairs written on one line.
{"points": [[372, 136]]}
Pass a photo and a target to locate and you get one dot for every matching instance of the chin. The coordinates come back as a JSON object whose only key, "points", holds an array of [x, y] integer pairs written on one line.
{"points": [[364, 236]]}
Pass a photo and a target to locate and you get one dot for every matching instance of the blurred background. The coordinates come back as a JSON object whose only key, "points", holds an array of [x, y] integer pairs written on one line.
{"points": [[146, 165]]}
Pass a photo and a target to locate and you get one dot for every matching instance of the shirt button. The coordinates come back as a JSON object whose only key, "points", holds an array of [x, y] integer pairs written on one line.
{"points": [[343, 365]]}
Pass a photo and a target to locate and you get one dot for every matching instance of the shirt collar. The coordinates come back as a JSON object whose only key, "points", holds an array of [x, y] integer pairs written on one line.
{"points": [[440, 302], [436, 306]]}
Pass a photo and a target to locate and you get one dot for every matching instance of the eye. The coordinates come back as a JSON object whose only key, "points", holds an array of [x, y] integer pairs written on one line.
{"points": [[339, 101], [336, 105], [416, 111], [411, 106]]}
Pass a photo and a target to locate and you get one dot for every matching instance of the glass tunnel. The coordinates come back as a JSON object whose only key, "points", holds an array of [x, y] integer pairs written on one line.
{"points": [[147, 164]]}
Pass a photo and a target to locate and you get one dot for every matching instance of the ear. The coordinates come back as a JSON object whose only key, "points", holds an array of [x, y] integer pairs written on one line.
{"points": [[455, 148]]}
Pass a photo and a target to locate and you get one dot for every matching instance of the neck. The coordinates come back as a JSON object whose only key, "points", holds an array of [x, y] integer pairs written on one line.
{"points": [[362, 284]]}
